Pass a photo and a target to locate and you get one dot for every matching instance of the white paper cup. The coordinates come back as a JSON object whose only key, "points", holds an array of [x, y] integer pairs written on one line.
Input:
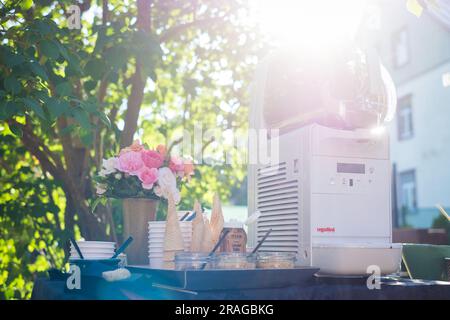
{"points": [[156, 263], [162, 224], [156, 247], [161, 236]]}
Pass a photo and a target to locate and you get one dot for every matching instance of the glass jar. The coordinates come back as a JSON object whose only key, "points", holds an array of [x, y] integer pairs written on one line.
{"points": [[191, 260], [275, 260], [234, 260]]}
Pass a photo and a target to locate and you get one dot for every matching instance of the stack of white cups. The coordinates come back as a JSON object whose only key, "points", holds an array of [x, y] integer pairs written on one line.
{"points": [[156, 231]]}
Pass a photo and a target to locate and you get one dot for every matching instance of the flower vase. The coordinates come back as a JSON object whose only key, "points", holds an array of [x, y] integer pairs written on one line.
{"points": [[137, 212]]}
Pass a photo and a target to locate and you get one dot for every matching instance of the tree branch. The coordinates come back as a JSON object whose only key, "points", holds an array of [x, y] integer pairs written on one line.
{"points": [[137, 80], [177, 30], [33, 145], [52, 164]]}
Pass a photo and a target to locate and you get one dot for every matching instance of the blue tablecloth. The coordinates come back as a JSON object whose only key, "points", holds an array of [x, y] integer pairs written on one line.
{"points": [[140, 287]]}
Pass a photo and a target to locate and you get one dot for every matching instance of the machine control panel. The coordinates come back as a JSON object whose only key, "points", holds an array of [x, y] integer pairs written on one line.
{"points": [[340, 175], [350, 197]]}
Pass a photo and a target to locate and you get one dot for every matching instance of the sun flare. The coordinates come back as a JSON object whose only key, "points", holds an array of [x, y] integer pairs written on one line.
{"points": [[309, 23]]}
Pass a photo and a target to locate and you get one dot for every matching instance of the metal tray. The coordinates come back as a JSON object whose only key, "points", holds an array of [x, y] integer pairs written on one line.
{"points": [[208, 280]]}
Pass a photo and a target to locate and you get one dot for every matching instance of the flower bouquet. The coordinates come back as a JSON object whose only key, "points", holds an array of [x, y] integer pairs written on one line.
{"points": [[139, 172], [141, 176]]}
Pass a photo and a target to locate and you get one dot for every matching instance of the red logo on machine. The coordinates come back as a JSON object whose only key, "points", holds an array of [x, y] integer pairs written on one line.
{"points": [[326, 229]]}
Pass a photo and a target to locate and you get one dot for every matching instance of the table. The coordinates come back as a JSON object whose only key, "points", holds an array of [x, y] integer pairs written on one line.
{"points": [[138, 287]]}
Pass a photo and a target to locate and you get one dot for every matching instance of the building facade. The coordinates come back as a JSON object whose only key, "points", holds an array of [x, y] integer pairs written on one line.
{"points": [[416, 51]]}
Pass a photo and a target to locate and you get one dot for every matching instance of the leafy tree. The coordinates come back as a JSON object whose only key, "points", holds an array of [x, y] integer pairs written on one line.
{"points": [[69, 98]]}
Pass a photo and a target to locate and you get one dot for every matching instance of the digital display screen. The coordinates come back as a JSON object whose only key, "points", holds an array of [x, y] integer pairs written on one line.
{"points": [[351, 168]]}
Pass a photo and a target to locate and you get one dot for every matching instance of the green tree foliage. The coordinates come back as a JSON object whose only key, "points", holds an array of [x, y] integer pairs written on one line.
{"points": [[70, 97]]}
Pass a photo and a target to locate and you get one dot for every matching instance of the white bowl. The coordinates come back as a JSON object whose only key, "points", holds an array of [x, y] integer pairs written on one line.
{"points": [[93, 250], [93, 253], [96, 243], [91, 257], [354, 259]]}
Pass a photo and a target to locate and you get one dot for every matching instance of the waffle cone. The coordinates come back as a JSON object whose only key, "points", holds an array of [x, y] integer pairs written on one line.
{"points": [[217, 220], [173, 240], [207, 240], [197, 228]]}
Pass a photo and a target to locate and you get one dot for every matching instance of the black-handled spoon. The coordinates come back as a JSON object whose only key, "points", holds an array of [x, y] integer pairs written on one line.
{"points": [[74, 243], [225, 233], [261, 242], [184, 216], [122, 247]]}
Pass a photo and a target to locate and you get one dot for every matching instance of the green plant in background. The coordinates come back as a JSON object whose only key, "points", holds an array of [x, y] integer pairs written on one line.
{"points": [[31, 221], [441, 222], [69, 98]]}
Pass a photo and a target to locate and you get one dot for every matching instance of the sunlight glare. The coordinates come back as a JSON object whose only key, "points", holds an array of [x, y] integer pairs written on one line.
{"points": [[319, 23]]}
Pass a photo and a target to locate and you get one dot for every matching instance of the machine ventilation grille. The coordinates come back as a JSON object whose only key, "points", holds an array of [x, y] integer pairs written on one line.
{"points": [[278, 202]]}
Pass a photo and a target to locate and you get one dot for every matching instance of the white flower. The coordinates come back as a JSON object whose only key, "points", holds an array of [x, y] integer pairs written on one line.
{"points": [[157, 191], [108, 166], [167, 185], [118, 176], [101, 189]]}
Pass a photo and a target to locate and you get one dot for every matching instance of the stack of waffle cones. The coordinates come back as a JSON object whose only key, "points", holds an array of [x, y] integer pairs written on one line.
{"points": [[205, 234], [173, 239]]}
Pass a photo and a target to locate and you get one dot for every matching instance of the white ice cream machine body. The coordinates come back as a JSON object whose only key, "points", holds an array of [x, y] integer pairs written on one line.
{"points": [[325, 192]]}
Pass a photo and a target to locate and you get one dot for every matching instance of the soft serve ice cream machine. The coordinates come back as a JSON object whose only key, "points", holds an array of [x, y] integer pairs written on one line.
{"points": [[326, 194]]}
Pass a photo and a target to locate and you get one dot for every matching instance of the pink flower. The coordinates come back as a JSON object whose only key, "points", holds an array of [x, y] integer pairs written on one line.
{"points": [[188, 168], [152, 159], [135, 146], [162, 149], [176, 165], [130, 162], [148, 177]]}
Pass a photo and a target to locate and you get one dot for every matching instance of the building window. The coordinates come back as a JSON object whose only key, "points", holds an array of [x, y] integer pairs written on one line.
{"points": [[405, 119], [400, 45], [407, 188]]}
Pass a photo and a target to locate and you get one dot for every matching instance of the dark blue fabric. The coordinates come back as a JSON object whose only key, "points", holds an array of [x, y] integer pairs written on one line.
{"points": [[140, 287]]}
